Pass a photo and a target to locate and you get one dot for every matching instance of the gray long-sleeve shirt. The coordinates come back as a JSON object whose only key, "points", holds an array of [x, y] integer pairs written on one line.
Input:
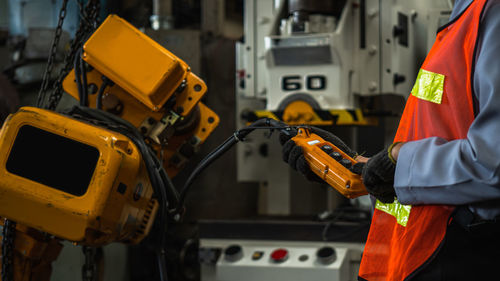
{"points": [[464, 171]]}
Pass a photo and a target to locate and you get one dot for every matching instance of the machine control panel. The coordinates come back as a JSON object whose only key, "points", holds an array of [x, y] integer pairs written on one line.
{"points": [[281, 260], [323, 255]]}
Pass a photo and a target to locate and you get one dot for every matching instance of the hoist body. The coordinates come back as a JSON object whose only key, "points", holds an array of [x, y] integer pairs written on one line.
{"points": [[79, 181], [153, 90], [73, 180]]}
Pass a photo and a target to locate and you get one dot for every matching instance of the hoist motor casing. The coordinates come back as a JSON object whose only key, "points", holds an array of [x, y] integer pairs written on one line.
{"points": [[153, 89], [136, 62], [73, 180]]}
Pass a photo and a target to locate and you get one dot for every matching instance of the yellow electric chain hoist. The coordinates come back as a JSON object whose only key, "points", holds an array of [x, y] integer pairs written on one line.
{"points": [[100, 172], [79, 182]]}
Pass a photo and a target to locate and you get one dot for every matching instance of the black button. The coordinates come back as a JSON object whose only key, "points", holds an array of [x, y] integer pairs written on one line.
{"points": [[326, 255], [326, 148], [233, 253], [336, 155], [122, 187], [346, 163], [303, 258], [358, 168]]}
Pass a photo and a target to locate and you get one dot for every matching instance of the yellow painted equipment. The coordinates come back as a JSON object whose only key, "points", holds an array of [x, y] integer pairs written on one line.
{"points": [[326, 167], [153, 90], [300, 113], [73, 180], [83, 183], [33, 254], [134, 61]]}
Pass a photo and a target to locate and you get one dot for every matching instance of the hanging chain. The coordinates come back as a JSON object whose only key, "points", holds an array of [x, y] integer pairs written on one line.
{"points": [[89, 268], [88, 23], [8, 234], [52, 55]]}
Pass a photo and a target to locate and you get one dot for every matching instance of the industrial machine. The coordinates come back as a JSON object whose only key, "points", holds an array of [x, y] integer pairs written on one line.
{"points": [[344, 64], [281, 250], [305, 57], [249, 260], [100, 172]]}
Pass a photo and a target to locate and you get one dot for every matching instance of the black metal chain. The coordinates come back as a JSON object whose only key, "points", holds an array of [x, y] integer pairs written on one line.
{"points": [[8, 235], [53, 53], [89, 268], [88, 23]]}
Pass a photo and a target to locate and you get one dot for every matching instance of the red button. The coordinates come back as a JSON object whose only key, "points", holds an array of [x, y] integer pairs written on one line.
{"points": [[279, 255]]}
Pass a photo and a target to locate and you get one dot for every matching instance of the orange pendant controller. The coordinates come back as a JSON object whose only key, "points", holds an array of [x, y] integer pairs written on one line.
{"points": [[330, 163]]}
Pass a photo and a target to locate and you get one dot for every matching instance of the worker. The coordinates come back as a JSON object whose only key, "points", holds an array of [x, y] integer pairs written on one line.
{"points": [[437, 213]]}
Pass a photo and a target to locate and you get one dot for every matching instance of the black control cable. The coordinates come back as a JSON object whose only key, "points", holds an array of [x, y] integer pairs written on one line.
{"points": [[105, 83], [160, 181], [265, 123], [81, 78]]}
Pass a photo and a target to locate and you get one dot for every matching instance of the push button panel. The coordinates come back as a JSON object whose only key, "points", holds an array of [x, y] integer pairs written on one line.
{"points": [[281, 256], [337, 156], [297, 260]]}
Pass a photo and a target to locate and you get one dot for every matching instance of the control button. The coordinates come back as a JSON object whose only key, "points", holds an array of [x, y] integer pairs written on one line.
{"points": [[303, 258], [233, 253], [346, 163], [326, 255], [279, 255], [358, 168], [257, 255], [326, 148], [336, 155]]}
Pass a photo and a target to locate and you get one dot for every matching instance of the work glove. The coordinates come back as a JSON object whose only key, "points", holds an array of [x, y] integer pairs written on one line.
{"points": [[378, 176], [294, 156]]}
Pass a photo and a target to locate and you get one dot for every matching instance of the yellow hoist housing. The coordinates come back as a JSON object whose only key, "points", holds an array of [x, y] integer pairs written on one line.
{"points": [[73, 180], [153, 89]]}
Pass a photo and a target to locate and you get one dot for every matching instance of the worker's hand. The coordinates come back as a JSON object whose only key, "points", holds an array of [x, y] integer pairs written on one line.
{"points": [[294, 156], [378, 175]]}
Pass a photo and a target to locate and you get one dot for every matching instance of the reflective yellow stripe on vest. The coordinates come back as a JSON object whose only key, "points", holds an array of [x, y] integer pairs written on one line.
{"points": [[399, 211], [429, 86]]}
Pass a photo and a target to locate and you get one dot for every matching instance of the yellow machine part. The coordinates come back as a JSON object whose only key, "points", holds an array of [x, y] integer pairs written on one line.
{"points": [[73, 180], [135, 62], [173, 118], [33, 254], [300, 112]]}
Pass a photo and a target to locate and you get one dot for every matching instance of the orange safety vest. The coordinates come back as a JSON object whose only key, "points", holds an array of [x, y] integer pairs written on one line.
{"points": [[403, 239]]}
